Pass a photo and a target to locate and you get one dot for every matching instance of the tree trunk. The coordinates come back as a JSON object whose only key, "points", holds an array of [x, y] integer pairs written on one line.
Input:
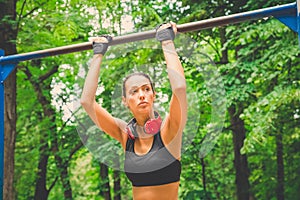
{"points": [[224, 51], [240, 161], [239, 134], [41, 192], [280, 167], [104, 181], [204, 178], [8, 35], [10, 134], [49, 112], [62, 165], [117, 185]]}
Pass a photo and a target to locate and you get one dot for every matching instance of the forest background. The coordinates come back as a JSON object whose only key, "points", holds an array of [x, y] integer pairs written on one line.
{"points": [[244, 92]]}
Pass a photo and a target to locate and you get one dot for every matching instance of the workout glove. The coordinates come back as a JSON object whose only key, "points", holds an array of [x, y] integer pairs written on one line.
{"points": [[165, 34], [101, 47]]}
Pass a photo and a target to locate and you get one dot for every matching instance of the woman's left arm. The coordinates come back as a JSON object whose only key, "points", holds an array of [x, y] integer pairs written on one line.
{"points": [[176, 119]]}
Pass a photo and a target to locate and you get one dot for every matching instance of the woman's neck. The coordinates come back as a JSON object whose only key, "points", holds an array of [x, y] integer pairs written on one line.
{"points": [[141, 119], [141, 132]]}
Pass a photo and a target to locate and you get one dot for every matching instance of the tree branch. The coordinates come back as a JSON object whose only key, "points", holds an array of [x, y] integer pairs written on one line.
{"points": [[48, 74], [53, 184], [20, 15]]}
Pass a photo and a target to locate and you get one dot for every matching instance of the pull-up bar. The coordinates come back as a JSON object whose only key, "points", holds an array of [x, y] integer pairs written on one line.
{"points": [[287, 11], [287, 14]]}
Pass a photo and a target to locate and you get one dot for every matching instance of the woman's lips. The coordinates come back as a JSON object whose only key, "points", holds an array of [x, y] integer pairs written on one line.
{"points": [[143, 103]]}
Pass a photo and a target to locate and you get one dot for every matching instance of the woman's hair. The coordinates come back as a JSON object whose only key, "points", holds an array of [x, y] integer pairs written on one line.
{"points": [[136, 74]]}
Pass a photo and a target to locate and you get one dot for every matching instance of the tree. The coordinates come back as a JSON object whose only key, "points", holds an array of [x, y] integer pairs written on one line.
{"points": [[268, 79], [234, 77], [55, 146], [8, 35]]}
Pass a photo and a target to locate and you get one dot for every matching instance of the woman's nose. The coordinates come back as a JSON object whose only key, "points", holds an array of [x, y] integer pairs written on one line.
{"points": [[141, 95]]}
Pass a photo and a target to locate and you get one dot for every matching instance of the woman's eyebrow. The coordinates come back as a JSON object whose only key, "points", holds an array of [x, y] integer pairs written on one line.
{"points": [[136, 87], [133, 88], [146, 85]]}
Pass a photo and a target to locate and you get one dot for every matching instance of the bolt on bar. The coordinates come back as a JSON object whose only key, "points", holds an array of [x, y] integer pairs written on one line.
{"points": [[276, 11]]}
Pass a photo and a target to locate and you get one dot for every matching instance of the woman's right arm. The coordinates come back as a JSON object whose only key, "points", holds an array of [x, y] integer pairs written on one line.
{"points": [[103, 119]]}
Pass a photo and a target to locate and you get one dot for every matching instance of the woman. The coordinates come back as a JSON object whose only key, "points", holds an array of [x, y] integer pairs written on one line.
{"points": [[152, 158]]}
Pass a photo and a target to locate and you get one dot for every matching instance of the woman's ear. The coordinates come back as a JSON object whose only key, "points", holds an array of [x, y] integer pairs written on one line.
{"points": [[124, 101]]}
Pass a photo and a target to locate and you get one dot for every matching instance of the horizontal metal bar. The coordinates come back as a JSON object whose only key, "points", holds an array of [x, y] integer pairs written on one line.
{"points": [[283, 10]]}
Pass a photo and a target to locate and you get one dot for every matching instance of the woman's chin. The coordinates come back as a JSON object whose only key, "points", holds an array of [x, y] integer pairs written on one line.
{"points": [[144, 110]]}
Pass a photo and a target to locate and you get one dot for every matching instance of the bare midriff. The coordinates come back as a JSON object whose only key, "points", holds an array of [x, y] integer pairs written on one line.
{"points": [[166, 192]]}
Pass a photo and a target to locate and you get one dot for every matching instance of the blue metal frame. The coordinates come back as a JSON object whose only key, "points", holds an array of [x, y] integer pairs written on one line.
{"points": [[1, 133], [292, 21], [288, 14], [1, 139]]}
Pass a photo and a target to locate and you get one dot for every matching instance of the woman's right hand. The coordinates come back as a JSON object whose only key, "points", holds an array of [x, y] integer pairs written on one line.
{"points": [[100, 44]]}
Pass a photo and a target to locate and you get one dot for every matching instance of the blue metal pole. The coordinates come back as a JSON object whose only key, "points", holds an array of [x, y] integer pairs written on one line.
{"points": [[1, 134], [1, 139]]}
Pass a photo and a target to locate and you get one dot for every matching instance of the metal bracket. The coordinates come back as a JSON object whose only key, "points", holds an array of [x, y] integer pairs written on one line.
{"points": [[292, 20], [6, 69]]}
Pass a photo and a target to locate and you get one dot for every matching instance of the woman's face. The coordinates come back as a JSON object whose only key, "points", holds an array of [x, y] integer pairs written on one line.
{"points": [[139, 95]]}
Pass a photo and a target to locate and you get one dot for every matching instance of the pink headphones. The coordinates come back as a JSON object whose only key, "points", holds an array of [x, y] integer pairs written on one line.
{"points": [[152, 126]]}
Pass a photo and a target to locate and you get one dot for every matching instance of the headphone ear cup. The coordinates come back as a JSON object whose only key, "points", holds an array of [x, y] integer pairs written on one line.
{"points": [[129, 130], [152, 126]]}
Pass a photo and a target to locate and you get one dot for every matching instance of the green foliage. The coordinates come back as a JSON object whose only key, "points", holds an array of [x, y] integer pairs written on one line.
{"points": [[272, 82]]}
